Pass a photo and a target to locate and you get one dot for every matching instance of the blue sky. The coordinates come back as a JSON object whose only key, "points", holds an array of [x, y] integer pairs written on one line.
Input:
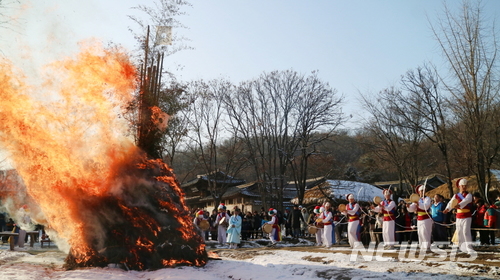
{"points": [[356, 45]]}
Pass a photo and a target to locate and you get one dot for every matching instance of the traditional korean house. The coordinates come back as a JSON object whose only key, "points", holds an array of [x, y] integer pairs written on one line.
{"points": [[245, 196], [198, 188], [432, 181]]}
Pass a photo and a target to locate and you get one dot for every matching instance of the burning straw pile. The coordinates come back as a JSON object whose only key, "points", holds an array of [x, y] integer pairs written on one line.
{"points": [[144, 227]]}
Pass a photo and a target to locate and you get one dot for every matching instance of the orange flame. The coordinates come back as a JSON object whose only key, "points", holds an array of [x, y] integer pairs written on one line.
{"points": [[66, 138]]}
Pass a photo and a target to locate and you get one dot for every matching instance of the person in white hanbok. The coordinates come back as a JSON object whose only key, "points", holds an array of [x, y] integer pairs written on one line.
{"points": [[424, 221], [388, 208], [327, 221], [353, 212], [462, 202]]}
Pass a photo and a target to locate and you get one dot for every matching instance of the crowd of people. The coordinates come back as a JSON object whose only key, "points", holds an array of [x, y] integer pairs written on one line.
{"points": [[426, 221], [249, 225], [423, 220], [23, 222]]}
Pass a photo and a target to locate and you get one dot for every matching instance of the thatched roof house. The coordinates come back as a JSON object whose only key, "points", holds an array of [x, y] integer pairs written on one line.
{"points": [[337, 190], [472, 187], [432, 181]]}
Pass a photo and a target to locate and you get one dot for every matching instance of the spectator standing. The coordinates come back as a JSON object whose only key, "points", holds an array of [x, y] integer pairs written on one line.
{"points": [[206, 216], [336, 221], [287, 222], [379, 224], [372, 221], [303, 224], [213, 226], [257, 223], [490, 221], [246, 226], [295, 221], [3, 222], [9, 226], [365, 227], [478, 221], [439, 233], [263, 214], [401, 224]]}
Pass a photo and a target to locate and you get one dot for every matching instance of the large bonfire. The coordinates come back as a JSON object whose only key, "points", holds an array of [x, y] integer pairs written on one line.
{"points": [[96, 190]]}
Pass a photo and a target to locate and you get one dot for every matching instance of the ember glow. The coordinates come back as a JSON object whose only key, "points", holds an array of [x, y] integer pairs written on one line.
{"points": [[97, 191]]}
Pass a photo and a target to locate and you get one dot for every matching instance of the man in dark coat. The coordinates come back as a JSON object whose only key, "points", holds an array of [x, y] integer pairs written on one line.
{"points": [[295, 218]]}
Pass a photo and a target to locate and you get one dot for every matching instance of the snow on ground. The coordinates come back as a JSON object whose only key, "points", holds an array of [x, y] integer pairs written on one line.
{"points": [[361, 191], [253, 261]]}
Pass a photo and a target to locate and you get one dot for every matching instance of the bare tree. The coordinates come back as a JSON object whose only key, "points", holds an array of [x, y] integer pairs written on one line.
{"points": [[246, 118], [317, 111], [175, 102], [471, 52], [276, 116], [422, 97], [214, 148], [392, 140]]}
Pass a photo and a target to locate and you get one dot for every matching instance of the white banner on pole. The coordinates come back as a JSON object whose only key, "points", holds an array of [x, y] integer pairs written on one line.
{"points": [[164, 35]]}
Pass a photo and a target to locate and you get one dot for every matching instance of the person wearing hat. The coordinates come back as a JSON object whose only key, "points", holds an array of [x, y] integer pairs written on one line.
{"points": [[462, 202], [353, 212], [327, 220], [424, 221], [197, 221], [221, 222], [319, 226], [387, 207], [275, 234], [234, 229]]}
